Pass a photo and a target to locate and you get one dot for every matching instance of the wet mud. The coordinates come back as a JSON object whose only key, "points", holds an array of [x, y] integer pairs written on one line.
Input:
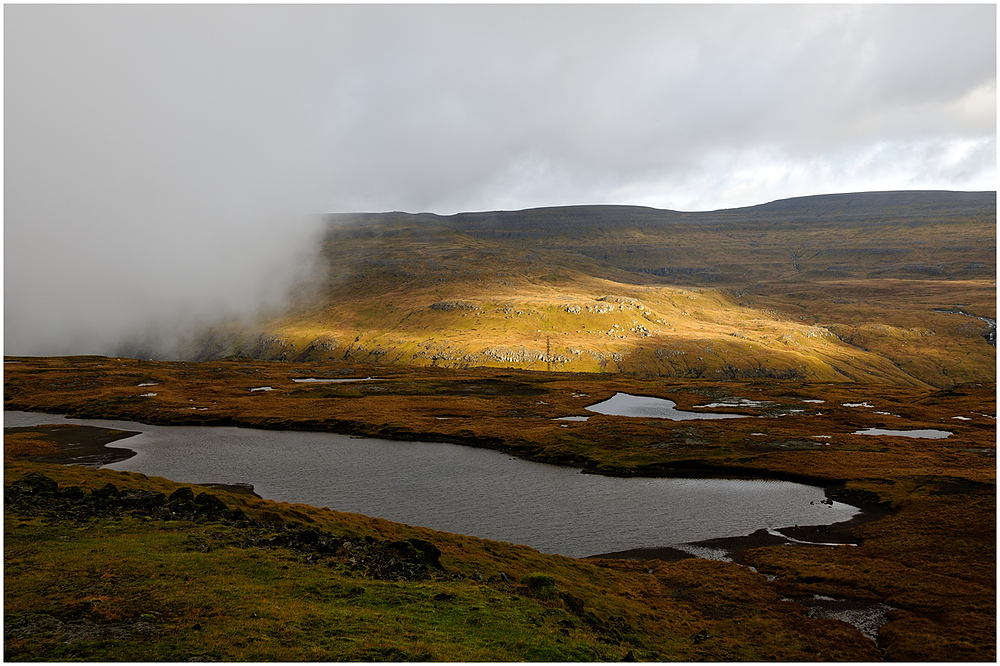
{"points": [[79, 445]]}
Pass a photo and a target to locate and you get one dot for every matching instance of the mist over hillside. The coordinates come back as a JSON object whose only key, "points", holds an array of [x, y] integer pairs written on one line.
{"points": [[881, 286]]}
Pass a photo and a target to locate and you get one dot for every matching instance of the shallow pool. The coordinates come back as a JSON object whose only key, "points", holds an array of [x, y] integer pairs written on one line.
{"points": [[623, 404], [918, 434]]}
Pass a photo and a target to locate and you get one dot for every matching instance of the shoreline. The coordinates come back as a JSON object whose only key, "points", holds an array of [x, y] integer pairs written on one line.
{"points": [[88, 446]]}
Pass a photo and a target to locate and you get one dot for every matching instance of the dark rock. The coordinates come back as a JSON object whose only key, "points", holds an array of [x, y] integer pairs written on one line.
{"points": [[73, 493], [182, 494], [431, 553], [109, 491], [210, 503], [135, 498], [406, 550], [38, 483], [179, 509], [310, 537], [629, 656]]}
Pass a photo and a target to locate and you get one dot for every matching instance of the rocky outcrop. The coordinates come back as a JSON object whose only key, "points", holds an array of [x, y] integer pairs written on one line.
{"points": [[401, 560]]}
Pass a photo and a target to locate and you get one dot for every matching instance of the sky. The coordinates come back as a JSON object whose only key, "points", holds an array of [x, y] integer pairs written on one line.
{"points": [[166, 165]]}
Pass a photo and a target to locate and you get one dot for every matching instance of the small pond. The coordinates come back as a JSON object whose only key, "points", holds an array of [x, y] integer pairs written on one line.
{"points": [[623, 404], [917, 434], [315, 380], [467, 490]]}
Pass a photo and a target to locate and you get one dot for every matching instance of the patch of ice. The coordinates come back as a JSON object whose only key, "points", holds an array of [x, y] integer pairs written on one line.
{"points": [[148, 384], [857, 404], [814, 401], [822, 436], [147, 395], [887, 414], [261, 388], [962, 418], [571, 418]]}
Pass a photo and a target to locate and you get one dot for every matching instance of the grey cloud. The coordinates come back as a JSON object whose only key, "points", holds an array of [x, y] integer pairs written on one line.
{"points": [[168, 161]]}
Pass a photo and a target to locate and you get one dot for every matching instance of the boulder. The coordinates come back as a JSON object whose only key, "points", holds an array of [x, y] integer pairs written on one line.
{"points": [[209, 503], [36, 483], [108, 491], [135, 498]]}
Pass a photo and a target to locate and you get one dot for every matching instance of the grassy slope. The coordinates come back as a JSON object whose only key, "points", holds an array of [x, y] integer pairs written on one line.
{"points": [[822, 288], [933, 559], [140, 589]]}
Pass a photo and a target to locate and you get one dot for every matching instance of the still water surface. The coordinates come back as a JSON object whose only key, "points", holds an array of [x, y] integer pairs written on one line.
{"points": [[623, 404], [466, 490]]}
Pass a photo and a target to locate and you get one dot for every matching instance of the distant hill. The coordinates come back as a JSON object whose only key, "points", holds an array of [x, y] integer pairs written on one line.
{"points": [[839, 287]]}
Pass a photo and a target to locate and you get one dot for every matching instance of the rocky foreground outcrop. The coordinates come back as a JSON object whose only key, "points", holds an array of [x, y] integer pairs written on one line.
{"points": [[412, 559]]}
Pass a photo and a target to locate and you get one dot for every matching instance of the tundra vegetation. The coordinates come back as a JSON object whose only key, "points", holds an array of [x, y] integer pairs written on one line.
{"points": [[504, 322]]}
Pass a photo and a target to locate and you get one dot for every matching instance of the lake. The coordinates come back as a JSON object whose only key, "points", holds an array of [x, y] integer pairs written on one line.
{"points": [[466, 490]]}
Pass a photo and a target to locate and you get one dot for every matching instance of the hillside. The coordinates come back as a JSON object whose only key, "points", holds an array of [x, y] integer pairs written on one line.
{"points": [[825, 288]]}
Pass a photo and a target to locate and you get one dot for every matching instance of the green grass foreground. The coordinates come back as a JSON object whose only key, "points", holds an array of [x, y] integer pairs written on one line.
{"points": [[137, 588]]}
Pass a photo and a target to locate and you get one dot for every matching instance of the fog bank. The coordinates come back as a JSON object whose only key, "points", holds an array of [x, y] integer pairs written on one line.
{"points": [[166, 165]]}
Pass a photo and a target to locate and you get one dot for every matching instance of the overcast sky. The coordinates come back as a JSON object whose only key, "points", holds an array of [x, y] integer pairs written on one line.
{"points": [[166, 163]]}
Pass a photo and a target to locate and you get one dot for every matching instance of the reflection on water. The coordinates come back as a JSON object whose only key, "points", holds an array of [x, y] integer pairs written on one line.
{"points": [[467, 490], [623, 404]]}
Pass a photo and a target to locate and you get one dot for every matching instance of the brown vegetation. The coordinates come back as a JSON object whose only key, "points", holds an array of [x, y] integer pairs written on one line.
{"points": [[931, 559]]}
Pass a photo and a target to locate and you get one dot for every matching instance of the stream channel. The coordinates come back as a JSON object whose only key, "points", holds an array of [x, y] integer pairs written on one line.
{"points": [[466, 490]]}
